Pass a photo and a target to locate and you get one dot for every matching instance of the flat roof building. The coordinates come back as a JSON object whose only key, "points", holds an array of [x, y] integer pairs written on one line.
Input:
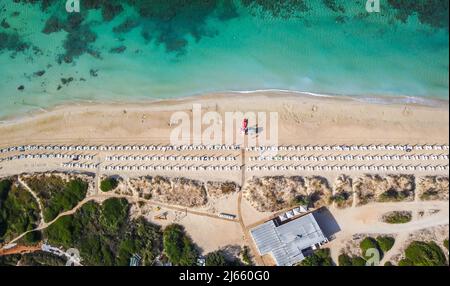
{"points": [[289, 241]]}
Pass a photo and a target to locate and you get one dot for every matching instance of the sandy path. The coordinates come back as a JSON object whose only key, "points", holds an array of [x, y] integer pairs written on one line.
{"points": [[366, 219]]}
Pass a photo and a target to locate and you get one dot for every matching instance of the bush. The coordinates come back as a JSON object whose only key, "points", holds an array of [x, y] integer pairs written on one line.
{"points": [[216, 258], [388, 263], [56, 195], [178, 246], [397, 217], [385, 243], [446, 243], [358, 261], [32, 237], [302, 201], [105, 235], [344, 260], [340, 198], [19, 212], [108, 184], [405, 262], [320, 257], [420, 253], [368, 243], [246, 256], [5, 187]]}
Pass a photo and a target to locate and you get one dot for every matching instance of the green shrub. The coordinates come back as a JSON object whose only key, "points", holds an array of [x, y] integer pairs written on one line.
{"points": [[368, 243], [393, 196], [405, 262], [105, 235], [108, 184], [340, 198], [302, 201], [344, 260], [32, 237], [56, 195], [5, 187], [420, 253], [216, 258], [19, 212], [246, 256], [388, 263], [320, 257], [385, 243], [358, 261], [446, 243], [178, 246], [397, 217]]}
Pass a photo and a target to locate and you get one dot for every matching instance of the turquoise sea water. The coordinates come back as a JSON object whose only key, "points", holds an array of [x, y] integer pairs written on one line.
{"points": [[154, 49]]}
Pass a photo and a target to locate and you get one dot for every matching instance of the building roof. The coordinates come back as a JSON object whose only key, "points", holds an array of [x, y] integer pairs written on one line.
{"points": [[287, 241]]}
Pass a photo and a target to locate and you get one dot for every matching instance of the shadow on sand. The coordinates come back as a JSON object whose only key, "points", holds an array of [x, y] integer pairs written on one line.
{"points": [[326, 222]]}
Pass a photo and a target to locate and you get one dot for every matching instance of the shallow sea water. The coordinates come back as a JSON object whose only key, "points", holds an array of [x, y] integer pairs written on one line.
{"points": [[176, 48]]}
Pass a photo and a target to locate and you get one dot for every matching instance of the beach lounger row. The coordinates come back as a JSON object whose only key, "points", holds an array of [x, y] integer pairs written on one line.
{"points": [[348, 148], [80, 165], [118, 148], [170, 158], [170, 168], [48, 156], [347, 168], [351, 158]]}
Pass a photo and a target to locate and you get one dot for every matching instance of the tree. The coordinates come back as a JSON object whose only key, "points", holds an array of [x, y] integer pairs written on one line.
{"points": [[358, 261], [420, 253], [178, 246], [216, 258], [385, 243], [369, 243], [344, 260], [246, 256], [319, 258], [108, 184]]}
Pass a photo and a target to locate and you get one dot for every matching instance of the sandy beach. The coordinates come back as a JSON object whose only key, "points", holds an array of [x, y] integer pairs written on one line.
{"points": [[303, 119]]}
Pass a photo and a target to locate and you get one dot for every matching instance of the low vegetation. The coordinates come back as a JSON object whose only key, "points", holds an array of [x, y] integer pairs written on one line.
{"points": [[343, 192], [246, 257], [391, 188], [56, 194], [320, 257], [346, 260], [433, 188], [397, 217], [369, 243], [178, 246], [385, 243], [382, 244], [216, 258], [38, 258], [178, 191], [108, 184], [269, 194], [219, 189], [420, 253], [19, 211], [105, 235]]}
